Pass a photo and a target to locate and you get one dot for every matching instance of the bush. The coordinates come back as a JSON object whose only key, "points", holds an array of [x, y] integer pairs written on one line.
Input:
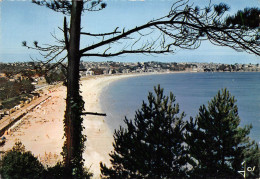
{"points": [[11, 102], [17, 163], [59, 172], [54, 76], [10, 89]]}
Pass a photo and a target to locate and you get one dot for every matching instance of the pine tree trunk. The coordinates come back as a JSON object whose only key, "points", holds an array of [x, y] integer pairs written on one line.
{"points": [[72, 113]]}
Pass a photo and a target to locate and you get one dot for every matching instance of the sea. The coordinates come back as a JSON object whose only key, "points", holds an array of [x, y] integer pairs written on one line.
{"points": [[123, 97]]}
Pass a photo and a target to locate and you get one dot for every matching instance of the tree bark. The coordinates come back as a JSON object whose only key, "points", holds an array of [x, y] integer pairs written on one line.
{"points": [[72, 113]]}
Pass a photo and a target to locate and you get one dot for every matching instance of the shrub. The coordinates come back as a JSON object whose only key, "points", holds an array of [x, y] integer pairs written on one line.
{"points": [[59, 172], [18, 163]]}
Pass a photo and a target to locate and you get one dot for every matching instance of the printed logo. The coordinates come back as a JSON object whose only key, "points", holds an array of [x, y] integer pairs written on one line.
{"points": [[246, 169]]}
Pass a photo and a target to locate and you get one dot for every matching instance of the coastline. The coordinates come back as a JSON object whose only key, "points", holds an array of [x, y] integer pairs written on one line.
{"points": [[41, 130], [99, 135]]}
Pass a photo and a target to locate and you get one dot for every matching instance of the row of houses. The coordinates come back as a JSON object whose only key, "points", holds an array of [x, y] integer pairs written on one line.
{"points": [[110, 67], [97, 68], [229, 67], [4, 112]]}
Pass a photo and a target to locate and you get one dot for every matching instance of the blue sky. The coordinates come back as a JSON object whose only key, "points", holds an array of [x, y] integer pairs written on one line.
{"points": [[23, 20]]}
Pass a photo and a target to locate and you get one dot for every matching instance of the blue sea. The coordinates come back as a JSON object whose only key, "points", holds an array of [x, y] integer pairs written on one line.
{"points": [[123, 97]]}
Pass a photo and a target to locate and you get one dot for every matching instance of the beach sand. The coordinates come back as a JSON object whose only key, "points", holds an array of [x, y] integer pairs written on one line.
{"points": [[99, 135], [41, 131]]}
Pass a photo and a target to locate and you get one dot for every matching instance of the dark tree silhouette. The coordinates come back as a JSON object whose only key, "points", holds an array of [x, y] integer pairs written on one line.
{"points": [[247, 18], [18, 163], [184, 27], [217, 143], [151, 145]]}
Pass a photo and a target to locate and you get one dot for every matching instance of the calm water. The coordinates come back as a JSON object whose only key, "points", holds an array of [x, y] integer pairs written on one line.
{"points": [[122, 98]]}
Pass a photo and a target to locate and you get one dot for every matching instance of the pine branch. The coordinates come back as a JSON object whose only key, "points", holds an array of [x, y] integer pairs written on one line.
{"points": [[93, 113], [127, 52], [102, 34]]}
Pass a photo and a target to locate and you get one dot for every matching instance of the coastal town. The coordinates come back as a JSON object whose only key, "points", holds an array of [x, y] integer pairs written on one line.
{"points": [[111, 67], [28, 77]]}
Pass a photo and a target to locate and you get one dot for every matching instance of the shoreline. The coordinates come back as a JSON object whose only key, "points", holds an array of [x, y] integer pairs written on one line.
{"points": [[41, 130], [99, 135]]}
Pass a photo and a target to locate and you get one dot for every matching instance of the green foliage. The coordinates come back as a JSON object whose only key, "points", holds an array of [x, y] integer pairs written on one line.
{"points": [[10, 89], [65, 6], [8, 68], [11, 102], [217, 143], [54, 76], [21, 164], [26, 86], [17, 163], [74, 106], [152, 144], [55, 172], [221, 8], [249, 17], [251, 157], [158, 144], [97, 71], [59, 172]]}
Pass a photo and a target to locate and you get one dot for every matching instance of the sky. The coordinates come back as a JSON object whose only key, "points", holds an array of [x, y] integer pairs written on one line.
{"points": [[25, 21]]}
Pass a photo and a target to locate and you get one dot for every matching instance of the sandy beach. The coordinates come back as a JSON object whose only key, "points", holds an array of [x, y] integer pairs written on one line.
{"points": [[99, 136], [41, 131]]}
